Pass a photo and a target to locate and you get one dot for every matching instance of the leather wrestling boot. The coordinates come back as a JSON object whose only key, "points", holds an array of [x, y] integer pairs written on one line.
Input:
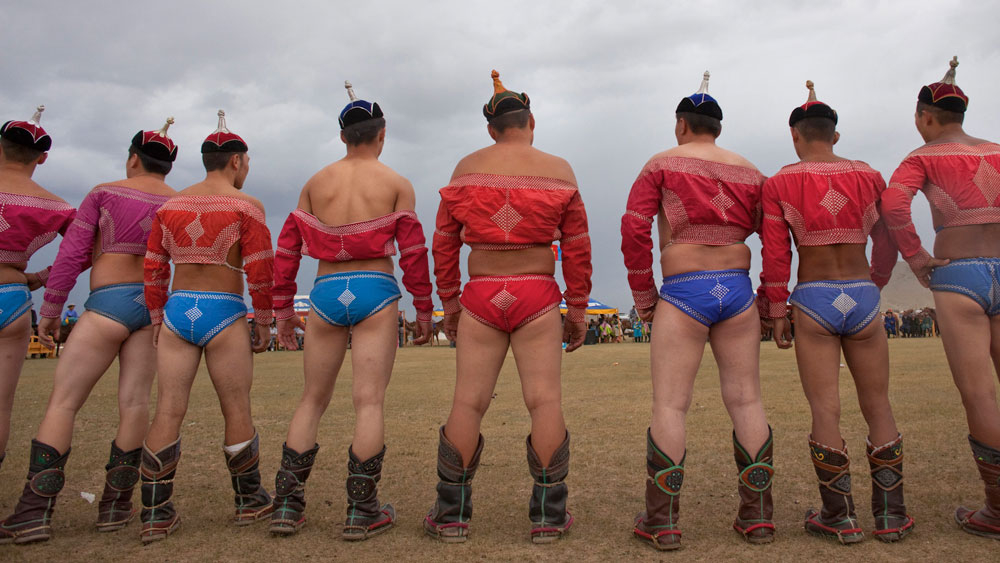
{"points": [[892, 523], [753, 519], [290, 490], [985, 521], [448, 519], [837, 518], [365, 516], [251, 499], [547, 508], [658, 524], [157, 471], [115, 510], [32, 518]]}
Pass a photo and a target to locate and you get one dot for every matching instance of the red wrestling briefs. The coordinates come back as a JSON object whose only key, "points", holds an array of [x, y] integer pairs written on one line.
{"points": [[509, 302]]}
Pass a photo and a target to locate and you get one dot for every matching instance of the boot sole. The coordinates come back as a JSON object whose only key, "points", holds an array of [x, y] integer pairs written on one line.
{"points": [[286, 529], [21, 540], [248, 519], [104, 527], [160, 533], [843, 539], [981, 533], [352, 536], [655, 545], [433, 532]]}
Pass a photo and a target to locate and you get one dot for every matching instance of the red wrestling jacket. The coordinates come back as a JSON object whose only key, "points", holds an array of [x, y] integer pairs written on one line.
{"points": [[304, 234], [704, 202], [822, 203], [28, 223], [961, 182], [498, 212], [200, 229]]}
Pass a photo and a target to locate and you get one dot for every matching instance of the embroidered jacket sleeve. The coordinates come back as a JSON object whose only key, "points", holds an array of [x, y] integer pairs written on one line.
{"points": [[897, 200], [576, 265], [258, 262], [286, 268], [637, 241], [413, 262], [75, 255], [777, 254], [446, 248], [884, 250], [156, 272]]}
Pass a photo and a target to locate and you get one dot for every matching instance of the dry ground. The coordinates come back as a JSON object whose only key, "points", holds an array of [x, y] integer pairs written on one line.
{"points": [[607, 402]]}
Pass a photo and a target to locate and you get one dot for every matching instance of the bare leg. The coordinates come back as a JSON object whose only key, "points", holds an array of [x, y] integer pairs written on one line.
{"points": [[538, 354], [13, 345], [480, 354], [736, 347], [373, 352], [230, 365], [91, 348], [176, 365], [137, 368], [325, 346], [817, 353], [867, 354], [969, 338], [678, 344]]}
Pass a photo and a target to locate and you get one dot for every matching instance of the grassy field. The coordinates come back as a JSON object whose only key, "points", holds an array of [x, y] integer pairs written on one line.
{"points": [[607, 403]]}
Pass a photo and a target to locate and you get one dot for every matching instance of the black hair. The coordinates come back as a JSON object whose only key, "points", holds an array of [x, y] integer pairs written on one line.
{"points": [[363, 132], [517, 119], [943, 116], [217, 160], [816, 129], [19, 153], [150, 164], [701, 124]]}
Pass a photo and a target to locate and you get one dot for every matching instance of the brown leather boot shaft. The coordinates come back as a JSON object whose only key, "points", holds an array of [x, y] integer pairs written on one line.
{"points": [[754, 517], [892, 522]]}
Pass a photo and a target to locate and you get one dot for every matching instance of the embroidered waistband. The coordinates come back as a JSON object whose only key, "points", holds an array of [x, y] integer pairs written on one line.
{"points": [[358, 274], [115, 286], [836, 284], [513, 278], [8, 287], [705, 275], [221, 295]]}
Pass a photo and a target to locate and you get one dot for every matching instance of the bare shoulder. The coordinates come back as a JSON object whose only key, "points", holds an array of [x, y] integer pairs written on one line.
{"points": [[560, 167], [470, 163], [41, 192]]}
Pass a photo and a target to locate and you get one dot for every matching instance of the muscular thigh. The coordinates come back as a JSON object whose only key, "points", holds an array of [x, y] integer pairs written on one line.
{"points": [[13, 345], [87, 354], [966, 333], [676, 348], [537, 348], [480, 353], [373, 350], [230, 362], [736, 347], [817, 353], [325, 346], [867, 354]]}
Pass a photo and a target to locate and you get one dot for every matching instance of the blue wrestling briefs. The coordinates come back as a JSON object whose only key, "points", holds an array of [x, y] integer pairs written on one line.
{"points": [[710, 296], [348, 298], [15, 300], [843, 307], [197, 316], [976, 278], [123, 303]]}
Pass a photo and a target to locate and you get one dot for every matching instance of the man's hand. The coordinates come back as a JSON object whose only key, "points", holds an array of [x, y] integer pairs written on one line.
{"points": [[924, 272], [48, 331], [286, 332], [423, 335], [450, 324], [33, 280], [574, 333], [261, 338], [646, 314], [782, 333]]}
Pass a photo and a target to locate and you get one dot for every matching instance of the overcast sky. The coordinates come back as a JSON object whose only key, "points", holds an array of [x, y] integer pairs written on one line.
{"points": [[604, 79]]}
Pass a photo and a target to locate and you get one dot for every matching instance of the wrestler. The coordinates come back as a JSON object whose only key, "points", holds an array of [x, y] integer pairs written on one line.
{"points": [[831, 206], [958, 175], [213, 232], [30, 218], [508, 202], [349, 215], [110, 232], [707, 200]]}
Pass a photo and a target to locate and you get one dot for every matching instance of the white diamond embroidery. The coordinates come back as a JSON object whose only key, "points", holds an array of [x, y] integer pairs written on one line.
{"points": [[987, 179], [503, 300], [4, 225], [723, 202], [346, 298], [833, 201], [140, 299], [343, 255], [195, 230], [146, 224], [507, 218], [193, 314], [719, 291], [844, 303]]}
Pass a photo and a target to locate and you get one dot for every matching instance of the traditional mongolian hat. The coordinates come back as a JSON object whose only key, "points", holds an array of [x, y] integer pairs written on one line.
{"points": [[358, 110], [945, 94], [156, 144], [504, 100], [223, 140], [812, 108], [700, 102], [28, 133]]}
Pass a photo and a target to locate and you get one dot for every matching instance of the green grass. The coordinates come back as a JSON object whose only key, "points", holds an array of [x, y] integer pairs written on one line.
{"points": [[607, 404]]}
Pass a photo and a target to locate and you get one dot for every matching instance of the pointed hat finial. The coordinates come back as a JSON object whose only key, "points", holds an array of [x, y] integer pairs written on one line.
{"points": [[949, 77], [37, 118], [350, 91], [163, 130], [498, 87], [812, 91], [704, 83], [222, 123]]}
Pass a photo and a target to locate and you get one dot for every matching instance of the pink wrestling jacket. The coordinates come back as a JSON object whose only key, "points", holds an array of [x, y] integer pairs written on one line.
{"points": [[961, 182], [704, 202], [822, 203], [497, 212], [28, 223], [124, 217], [200, 229], [304, 234]]}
